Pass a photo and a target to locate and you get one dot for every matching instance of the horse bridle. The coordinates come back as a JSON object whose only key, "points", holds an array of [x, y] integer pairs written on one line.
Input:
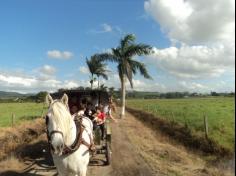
{"points": [[49, 134], [78, 140]]}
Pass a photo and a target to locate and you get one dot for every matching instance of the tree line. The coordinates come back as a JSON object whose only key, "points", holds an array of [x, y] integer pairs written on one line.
{"points": [[40, 96], [170, 95]]}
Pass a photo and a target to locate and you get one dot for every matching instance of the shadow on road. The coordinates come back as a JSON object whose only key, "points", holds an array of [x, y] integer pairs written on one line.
{"points": [[37, 159]]}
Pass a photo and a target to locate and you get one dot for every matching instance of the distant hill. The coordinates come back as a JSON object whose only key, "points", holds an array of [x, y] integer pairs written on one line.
{"points": [[10, 95]]}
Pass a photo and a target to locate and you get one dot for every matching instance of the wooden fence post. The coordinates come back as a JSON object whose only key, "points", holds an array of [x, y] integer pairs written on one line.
{"points": [[206, 126], [173, 116], [12, 119], [185, 120], [42, 110], [156, 110]]}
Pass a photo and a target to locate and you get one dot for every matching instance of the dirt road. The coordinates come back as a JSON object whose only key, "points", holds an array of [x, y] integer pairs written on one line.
{"points": [[136, 151]]}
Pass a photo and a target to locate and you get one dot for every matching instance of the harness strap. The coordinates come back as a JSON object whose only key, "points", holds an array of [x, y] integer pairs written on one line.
{"points": [[55, 131], [90, 146], [79, 140]]}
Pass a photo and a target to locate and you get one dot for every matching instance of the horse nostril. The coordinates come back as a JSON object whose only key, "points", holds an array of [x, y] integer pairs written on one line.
{"points": [[52, 148], [58, 148]]}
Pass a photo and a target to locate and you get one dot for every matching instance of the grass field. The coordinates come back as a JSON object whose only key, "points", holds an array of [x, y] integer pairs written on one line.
{"points": [[220, 113], [22, 111]]}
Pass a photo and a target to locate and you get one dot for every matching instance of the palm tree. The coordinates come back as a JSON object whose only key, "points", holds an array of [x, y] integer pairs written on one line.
{"points": [[111, 91], [101, 71], [123, 55], [91, 63], [96, 67], [103, 87]]}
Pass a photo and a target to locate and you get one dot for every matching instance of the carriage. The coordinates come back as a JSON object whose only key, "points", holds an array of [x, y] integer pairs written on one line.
{"points": [[75, 98]]}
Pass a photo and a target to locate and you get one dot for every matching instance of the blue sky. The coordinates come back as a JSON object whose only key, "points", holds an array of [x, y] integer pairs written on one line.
{"points": [[44, 43]]}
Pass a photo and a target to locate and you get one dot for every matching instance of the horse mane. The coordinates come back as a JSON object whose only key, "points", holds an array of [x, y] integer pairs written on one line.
{"points": [[62, 117]]}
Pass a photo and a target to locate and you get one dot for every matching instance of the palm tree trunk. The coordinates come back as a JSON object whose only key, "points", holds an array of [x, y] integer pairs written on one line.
{"points": [[98, 83], [123, 97], [92, 82]]}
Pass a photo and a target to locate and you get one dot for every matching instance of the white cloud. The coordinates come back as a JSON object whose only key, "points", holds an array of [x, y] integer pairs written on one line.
{"points": [[193, 87], [118, 30], [8, 80], [106, 27], [207, 87], [195, 22], [146, 85], [29, 83], [194, 61], [170, 86], [139, 85], [56, 54], [70, 84], [47, 70], [83, 70], [204, 33], [26, 83]]}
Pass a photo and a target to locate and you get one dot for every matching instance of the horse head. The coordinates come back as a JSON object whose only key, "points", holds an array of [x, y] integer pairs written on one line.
{"points": [[58, 122]]}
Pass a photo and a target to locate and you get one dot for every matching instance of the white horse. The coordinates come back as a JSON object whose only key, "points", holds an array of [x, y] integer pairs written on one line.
{"points": [[69, 142]]}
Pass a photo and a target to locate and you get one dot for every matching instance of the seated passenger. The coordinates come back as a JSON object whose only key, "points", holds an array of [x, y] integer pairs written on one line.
{"points": [[99, 119], [89, 111], [74, 109], [81, 110]]}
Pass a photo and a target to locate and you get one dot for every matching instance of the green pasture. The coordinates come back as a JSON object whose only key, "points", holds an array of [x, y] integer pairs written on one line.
{"points": [[220, 113], [21, 111]]}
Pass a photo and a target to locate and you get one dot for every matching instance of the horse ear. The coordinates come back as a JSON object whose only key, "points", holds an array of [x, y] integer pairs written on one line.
{"points": [[49, 99], [64, 99]]}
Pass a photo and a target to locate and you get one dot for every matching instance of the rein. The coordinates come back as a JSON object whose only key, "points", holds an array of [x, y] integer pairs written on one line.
{"points": [[78, 140]]}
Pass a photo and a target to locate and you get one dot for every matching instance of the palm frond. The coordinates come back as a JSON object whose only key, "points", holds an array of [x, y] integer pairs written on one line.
{"points": [[137, 49], [129, 74], [127, 40], [103, 75], [141, 67], [106, 57], [92, 64], [117, 53]]}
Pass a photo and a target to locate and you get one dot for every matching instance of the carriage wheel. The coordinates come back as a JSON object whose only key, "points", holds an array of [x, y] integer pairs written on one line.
{"points": [[108, 153], [97, 137]]}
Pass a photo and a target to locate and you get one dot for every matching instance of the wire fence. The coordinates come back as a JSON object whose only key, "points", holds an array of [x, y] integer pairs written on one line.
{"points": [[12, 114]]}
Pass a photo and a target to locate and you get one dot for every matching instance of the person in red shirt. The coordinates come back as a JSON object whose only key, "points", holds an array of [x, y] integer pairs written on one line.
{"points": [[100, 119]]}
